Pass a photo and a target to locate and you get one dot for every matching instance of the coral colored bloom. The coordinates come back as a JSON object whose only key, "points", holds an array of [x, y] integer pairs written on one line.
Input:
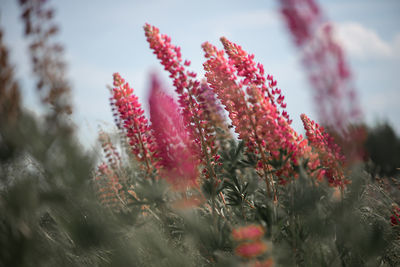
{"points": [[250, 232], [256, 118], [331, 159], [251, 249], [174, 145], [253, 74]]}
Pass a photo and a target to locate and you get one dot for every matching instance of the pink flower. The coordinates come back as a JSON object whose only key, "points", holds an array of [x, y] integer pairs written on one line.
{"points": [[325, 63], [251, 249], [174, 145]]}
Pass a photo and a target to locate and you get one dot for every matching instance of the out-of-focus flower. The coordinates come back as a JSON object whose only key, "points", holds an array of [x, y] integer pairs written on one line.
{"points": [[177, 159], [249, 232], [325, 63], [251, 249]]}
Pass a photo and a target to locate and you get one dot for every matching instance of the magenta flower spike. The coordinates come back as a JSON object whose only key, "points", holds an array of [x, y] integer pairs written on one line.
{"points": [[177, 158]]}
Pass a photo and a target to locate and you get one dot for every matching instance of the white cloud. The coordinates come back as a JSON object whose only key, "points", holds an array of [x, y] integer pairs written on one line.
{"points": [[364, 43]]}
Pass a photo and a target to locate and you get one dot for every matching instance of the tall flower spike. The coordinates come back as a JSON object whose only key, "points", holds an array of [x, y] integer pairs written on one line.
{"points": [[190, 100], [176, 156], [109, 189], [136, 126], [255, 118], [253, 75], [331, 159], [324, 61]]}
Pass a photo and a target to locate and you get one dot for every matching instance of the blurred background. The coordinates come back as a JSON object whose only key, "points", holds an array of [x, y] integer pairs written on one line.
{"points": [[102, 37]]}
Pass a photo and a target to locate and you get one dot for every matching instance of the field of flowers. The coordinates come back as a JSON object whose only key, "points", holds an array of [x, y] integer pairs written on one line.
{"points": [[214, 176]]}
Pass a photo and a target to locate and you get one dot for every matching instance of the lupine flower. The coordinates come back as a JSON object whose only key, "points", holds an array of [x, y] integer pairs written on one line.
{"points": [[254, 75], [196, 120], [325, 63], [254, 116], [332, 160], [251, 249], [135, 124], [250, 232], [174, 145]]}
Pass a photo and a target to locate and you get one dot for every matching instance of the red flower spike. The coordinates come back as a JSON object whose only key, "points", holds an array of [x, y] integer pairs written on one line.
{"points": [[135, 124], [198, 123]]}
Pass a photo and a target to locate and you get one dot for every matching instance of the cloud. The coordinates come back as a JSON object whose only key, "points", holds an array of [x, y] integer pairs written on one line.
{"points": [[364, 43]]}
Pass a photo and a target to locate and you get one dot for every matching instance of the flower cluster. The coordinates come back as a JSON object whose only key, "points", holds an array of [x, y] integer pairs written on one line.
{"points": [[179, 139], [199, 125], [253, 110]]}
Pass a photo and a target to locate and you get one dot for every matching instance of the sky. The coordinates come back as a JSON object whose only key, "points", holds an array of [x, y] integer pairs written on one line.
{"points": [[102, 37]]}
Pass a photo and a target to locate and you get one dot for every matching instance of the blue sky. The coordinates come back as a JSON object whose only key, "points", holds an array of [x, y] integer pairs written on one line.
{"points": [[102, 37]]}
